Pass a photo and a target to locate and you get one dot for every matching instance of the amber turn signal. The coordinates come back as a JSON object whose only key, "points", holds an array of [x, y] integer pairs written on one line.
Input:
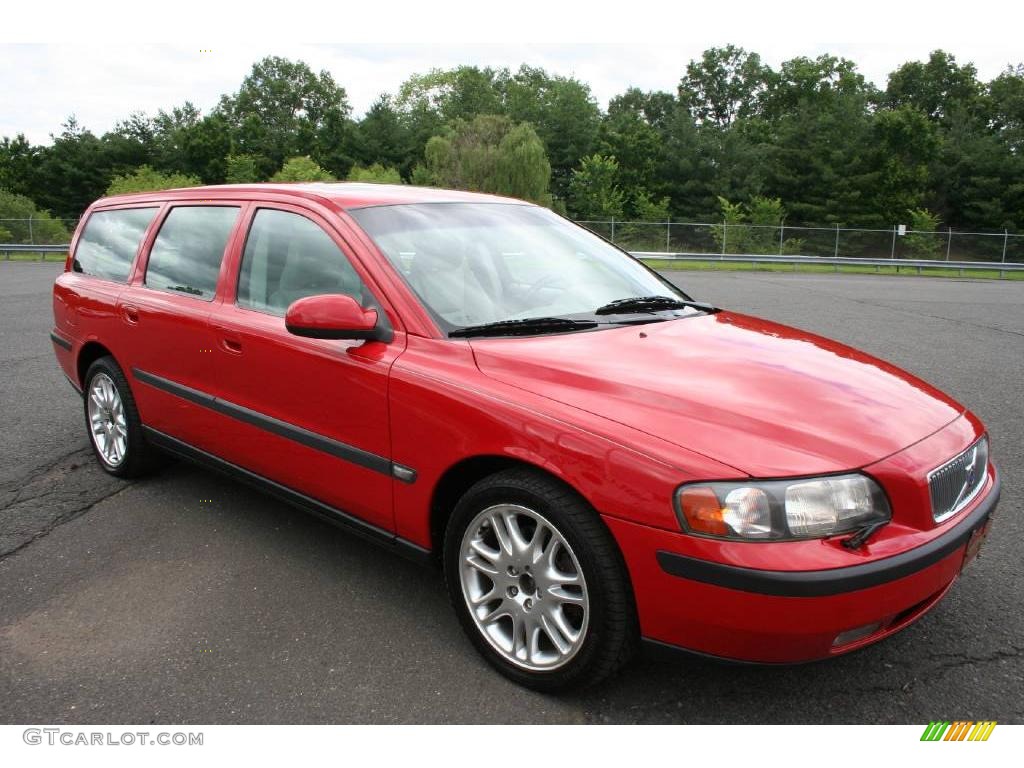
{"points": [[703, 511]]}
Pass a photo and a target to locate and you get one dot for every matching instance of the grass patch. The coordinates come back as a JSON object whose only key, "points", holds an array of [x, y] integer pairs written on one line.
{"points": [[24, 256], [852, 269]]}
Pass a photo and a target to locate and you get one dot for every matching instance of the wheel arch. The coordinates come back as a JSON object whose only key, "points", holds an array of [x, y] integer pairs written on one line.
{"points": [[461, 476], [90, 352]]}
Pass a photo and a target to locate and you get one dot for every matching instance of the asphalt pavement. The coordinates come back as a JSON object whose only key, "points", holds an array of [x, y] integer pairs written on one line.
{"points": [[188, 598]]}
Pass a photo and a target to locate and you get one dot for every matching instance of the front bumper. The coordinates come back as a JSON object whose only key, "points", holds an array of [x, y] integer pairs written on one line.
{"points": [[760, 615]]}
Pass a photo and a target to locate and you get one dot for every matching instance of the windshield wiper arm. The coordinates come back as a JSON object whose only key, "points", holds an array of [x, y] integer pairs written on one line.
{"points": [[525, 327], [863, 534], [650, 304]]}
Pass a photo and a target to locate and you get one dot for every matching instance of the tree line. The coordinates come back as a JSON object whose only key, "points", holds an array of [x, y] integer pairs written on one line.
{"points": [[812, 143]]}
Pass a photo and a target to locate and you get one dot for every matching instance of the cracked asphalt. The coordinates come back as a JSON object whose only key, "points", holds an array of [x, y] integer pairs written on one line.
{"points": [[144, 602]]}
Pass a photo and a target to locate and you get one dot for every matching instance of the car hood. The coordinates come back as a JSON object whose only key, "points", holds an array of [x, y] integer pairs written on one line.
{"points": [[764, 398]]}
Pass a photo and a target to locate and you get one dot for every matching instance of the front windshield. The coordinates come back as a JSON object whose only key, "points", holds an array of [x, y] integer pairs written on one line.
{"points": [[477, 263]]}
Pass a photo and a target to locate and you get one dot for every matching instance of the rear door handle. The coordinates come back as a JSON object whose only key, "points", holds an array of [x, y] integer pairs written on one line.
{"points": [[130, 313]]}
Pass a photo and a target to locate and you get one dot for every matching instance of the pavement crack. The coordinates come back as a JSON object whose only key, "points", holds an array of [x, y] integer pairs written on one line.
{"points": [[20, 483], [954, 660], [51, 495], [66, 516]]}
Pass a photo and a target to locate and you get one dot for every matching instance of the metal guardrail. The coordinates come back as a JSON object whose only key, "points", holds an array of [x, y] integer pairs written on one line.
{"points": [[795, 261], [837, 261], [8, 248]]}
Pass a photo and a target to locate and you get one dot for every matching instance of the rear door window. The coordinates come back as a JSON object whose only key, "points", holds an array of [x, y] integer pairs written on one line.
{"points": [[189, 248], [110, 241]]}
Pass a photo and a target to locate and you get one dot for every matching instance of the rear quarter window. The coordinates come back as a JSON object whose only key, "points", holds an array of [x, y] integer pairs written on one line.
{"points": [[110, 241]]}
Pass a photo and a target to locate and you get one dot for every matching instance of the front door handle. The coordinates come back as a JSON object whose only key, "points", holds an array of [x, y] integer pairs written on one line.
{"points": [[234, 346], [229, 340], [130, 313]]}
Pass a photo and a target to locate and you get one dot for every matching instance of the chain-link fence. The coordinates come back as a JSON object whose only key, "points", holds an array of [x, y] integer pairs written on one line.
{"points": [[36, 230], [725, 239], [721, 239]]}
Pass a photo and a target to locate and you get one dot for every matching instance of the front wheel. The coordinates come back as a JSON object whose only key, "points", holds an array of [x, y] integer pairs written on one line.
{"points": [[538, 582]]}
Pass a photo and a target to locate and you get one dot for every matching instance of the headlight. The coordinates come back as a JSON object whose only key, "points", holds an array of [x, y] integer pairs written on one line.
{"points": [[773, 510]]}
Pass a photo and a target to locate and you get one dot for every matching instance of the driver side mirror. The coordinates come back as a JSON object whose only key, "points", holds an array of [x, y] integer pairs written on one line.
{"points": [[336, 316]]}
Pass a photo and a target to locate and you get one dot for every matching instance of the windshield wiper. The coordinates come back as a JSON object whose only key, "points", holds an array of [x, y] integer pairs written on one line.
{"points": [[650, 304], [525, 327]]}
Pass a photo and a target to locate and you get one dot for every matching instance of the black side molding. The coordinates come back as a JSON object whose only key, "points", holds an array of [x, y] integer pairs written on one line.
{"points": [[290, 496], [833, 581], [60, 341], [305, 437]]}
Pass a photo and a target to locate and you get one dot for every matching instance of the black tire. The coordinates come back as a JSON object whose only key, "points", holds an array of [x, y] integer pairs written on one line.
{"points": [[139, 456], [612, 633]]}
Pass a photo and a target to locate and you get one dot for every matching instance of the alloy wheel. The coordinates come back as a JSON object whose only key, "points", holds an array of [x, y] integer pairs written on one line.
{"points": [[524, 587], [107, 424]]}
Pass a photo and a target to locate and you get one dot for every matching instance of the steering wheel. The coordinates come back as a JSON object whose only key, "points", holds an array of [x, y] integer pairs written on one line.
{"points": [[542, 282]]}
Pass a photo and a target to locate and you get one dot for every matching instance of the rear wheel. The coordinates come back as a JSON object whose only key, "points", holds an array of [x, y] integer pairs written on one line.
{"points": [[112, 421], [538, 582]]}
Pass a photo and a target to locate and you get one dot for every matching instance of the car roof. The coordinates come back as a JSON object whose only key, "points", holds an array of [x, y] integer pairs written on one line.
{"points": [[345, 195]]}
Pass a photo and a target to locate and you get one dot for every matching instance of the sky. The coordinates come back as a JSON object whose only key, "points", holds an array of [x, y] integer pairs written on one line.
{"points": [[102, 82]]}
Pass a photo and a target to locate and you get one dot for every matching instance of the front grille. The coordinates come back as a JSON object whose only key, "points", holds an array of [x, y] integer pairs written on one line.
{"points": [[957, 482]]}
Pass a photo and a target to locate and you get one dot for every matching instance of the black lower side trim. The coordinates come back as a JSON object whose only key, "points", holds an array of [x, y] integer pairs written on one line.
{"points": [[74, 384], [60, 341], [295, 498], [305, 437], [833, 581]]}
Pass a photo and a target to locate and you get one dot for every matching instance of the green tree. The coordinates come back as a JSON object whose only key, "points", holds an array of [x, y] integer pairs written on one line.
{"points": [[816, 152], [23, 222], [283, 109], [1006, 96], [923, 240], [564, 114], [131, 143], [489, 154], [594, 193], [146, 179], [657, 108], [938, 87], [750, 228], [71, 172], [383, 137], [19, 163], [811, 132], [241, 169], [522, 169], [647, 208], [301, 169], [377, 173], [187, 142], [904, 143], [635, 144], [461, 93], [686, 172], [976, 179], [727, 84], [647, 228]]}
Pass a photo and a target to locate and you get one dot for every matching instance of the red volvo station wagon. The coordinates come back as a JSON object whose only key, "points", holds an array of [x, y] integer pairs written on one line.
{"points": [[593, 457]]}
